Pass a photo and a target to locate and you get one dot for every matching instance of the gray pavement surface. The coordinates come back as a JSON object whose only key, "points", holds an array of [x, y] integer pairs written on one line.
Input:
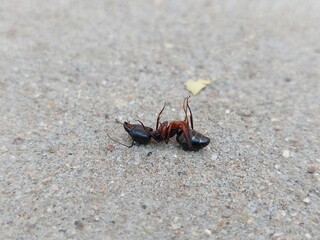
{"points": [[69, 68]]}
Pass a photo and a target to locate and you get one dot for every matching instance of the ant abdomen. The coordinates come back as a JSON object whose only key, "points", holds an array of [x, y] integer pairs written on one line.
{"points": [[198, 141]]}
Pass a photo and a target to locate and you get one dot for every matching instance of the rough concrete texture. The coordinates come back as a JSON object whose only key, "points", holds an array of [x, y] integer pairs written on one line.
{"points": [[69, 68]]}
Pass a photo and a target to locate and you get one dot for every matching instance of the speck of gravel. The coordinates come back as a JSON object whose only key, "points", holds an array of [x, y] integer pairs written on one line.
{"points": [[110, 147], [245, 113], [286, 153], [18, 140], [306, 200], [277, 128], [312, 168], [208, 232], [51, 150], [308, 236], [55, 187], [79, 225], [144, 206], [214, 156]]}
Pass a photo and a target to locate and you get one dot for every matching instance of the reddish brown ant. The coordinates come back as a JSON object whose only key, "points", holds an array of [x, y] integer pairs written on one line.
{"points": [[188, 138]]}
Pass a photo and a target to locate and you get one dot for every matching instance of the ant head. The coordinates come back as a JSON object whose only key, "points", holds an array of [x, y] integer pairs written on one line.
{"points": [[127, 126]]}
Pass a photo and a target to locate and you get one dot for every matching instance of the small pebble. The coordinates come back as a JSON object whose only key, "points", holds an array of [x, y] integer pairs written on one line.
{"points": [[51, 150], [228, 111], [311, 168], [79, 225], [214, 156], [168, 45], [208, 232], [55, 187], [286, 153], [110, 147], [175, 226], [245, 113], [149, 154], [18, 140], [144, 206], [306, 200], [277, 128]]}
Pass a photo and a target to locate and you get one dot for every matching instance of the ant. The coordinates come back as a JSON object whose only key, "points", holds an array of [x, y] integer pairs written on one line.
{"points": [[188, 138], [137, 132]]}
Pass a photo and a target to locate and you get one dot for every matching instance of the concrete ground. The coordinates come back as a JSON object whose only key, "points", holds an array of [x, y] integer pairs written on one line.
{"points": [[69, 68]]}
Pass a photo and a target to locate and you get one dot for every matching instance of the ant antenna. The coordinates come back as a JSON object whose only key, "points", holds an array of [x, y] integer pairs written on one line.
{"points": [[120, 142], [158, 118], [117, 121], [186, 107]]}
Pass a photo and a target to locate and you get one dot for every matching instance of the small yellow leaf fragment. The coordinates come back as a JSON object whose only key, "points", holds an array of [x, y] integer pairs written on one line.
{"points": [[196, 86]]}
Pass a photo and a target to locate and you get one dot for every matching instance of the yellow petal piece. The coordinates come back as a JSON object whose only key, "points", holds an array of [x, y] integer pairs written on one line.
{"points": [[196, 86]]}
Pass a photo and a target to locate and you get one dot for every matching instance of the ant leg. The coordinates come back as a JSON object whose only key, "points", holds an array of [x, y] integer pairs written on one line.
{"points": [[185, 111], [186, 107], [151, 134], [158, 118], [191, 118], [142, 126], [168, 131], [120, 142], [186, 132]]}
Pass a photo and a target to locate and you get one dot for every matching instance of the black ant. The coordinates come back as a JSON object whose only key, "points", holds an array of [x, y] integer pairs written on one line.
{"points": [[137, 132], [188, 138]]}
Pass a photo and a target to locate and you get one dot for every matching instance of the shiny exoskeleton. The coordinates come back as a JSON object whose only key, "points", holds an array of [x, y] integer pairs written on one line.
{"points": [[198, 141], [137, 132], [187, 137]]}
